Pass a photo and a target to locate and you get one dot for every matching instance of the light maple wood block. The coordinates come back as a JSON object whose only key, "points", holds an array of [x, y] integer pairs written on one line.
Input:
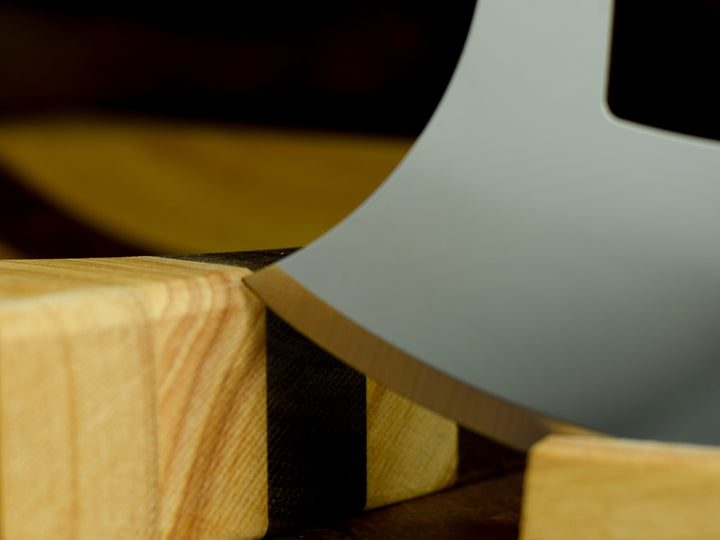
{"points": [[411, 450], [130, 408], [617, 489], [133, 405]]}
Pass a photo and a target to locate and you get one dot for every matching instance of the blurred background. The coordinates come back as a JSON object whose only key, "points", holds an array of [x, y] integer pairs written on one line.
{"points": [[131, 127]]}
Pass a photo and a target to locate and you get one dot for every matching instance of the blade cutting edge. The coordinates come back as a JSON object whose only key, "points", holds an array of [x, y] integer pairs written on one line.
{"points": [[535, 251], [480, 411]]}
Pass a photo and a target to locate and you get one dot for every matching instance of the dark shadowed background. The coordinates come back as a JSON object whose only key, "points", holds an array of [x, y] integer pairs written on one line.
{"points": [[131, 127], [142, 127], [368, 65]]}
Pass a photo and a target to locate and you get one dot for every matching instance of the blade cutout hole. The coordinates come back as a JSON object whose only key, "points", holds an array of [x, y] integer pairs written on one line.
{"points": [[665, 65]]}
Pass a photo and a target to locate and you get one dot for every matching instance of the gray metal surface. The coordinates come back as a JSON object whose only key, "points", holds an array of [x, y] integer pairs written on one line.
{"points": [[536, 247]]}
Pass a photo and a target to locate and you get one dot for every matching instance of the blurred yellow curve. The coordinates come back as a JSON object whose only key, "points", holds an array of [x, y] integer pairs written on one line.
{"points": [[177, 187]]}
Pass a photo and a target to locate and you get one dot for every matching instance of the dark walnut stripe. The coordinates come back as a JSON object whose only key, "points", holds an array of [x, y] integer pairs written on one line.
{"points": [[252, 260], [317, 451], [316, 414], [316, 432], [37, 228]]}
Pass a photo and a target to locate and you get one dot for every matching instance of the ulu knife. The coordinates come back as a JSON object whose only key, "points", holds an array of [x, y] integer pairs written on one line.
{"points": [[535, 263]]}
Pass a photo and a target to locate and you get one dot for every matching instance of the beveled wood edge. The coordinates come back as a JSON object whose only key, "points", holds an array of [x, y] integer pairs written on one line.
{"points": [[490, 416]]}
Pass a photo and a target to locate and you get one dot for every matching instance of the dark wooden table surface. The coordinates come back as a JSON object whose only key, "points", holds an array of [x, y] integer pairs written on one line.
{"points": [[484, 504]]}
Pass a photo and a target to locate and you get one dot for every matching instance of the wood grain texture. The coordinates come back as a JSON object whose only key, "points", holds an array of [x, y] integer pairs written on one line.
{"points": [[411, 451], [133, 404], [133, 397], [615, 489]]}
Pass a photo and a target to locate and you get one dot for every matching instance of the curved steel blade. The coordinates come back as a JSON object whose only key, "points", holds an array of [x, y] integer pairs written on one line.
{"points": [[531, 247]]}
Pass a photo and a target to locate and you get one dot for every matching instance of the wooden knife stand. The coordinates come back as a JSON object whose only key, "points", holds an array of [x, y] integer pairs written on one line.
{"points": [[618, 489], [105, 433]]}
